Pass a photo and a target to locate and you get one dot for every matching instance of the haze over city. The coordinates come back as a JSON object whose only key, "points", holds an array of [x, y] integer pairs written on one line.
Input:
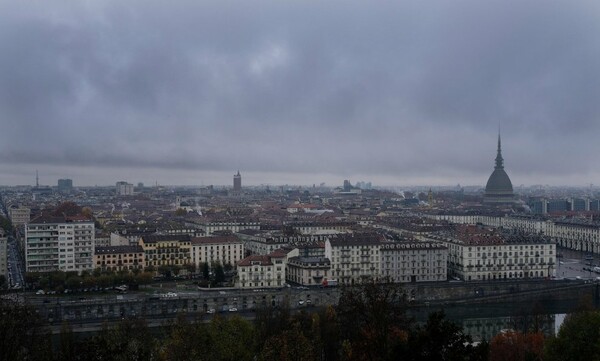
{"points": [[299, 93]]}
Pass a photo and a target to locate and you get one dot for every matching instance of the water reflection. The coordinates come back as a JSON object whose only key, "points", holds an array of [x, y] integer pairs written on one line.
{"points": [[483, 322], [482, 329]]}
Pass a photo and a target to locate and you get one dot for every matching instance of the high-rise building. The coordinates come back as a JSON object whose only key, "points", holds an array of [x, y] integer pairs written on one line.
{"points": [[237, 182], [19, 215], [65, 185], [558, 205], [124, 189], [499, 187], [59, 243]]}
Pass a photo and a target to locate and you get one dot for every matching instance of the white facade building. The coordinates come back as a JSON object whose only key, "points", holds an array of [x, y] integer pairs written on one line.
{"points": [[59, 244], [262, 270], [308, 271], [477, 253], [579, 234], [224, 250], [19, 215], [354, 258], [414, 261], [124, 189]]}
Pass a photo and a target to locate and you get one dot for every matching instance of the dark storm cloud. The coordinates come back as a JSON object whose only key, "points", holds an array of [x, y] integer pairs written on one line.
{"points": [[387, 91]]}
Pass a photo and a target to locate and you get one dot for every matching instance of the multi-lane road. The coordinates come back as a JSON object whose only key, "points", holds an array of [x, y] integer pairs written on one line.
{"points": [[15, 264]]}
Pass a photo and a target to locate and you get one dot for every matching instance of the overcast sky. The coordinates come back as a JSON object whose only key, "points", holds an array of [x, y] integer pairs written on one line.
{"points": [[299, 92]]}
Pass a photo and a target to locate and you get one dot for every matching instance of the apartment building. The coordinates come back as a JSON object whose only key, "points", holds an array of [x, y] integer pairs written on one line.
{"points": [[59, 243], [483, 253], [166, 250], [321, 227], [124, 189], [413, 261], [119, 258], [19, 215], [308, 271], [211, 226], [219, 249], [265, 242], [354, 258], [576, 234], [262, 270]]}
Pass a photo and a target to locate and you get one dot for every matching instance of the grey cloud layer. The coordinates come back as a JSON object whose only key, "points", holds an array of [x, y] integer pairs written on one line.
{"points": [[328, 87]]}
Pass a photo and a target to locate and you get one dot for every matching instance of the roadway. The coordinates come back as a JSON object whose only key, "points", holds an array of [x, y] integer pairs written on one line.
{"points": [[576, 264], [15, 264]]}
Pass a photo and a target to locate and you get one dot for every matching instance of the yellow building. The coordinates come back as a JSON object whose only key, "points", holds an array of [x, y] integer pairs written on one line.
{"points": [[119, 258], [166, 250]]}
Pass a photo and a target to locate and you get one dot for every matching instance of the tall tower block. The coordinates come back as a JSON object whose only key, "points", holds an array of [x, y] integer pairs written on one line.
{"points": [[237, 182]]}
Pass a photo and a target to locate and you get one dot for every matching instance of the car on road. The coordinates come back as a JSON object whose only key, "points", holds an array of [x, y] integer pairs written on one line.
{"points": [[40, 292], [233, 309], [211, 311], [300, 302], [170, 294]]}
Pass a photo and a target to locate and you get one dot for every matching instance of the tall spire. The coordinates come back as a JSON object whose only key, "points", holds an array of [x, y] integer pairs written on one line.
{"points": [[499, 159]]}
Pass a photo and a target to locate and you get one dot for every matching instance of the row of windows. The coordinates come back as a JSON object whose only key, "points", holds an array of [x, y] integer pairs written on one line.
{"points": [[119, 256]]}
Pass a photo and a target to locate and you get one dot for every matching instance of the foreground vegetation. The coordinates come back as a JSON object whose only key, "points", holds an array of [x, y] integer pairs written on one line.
{"points": [[370, 323]]}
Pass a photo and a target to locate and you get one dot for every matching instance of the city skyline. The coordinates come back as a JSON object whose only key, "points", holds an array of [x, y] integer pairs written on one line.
{"points": [[396, 94]]}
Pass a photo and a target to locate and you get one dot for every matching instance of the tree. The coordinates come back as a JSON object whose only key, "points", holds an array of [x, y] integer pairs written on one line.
{"points": [[205, 270], [5, 223], [514, 345], [129, 340], [180, 212], [23, 335], [577, 339], [219, 273], [67, 209], [87, 212], [329, 335], [32, 278], [190, 268], [74, 282], [165, 270], [144, 278], [441, 339], [269, 322], [232, 339], [291, 345], [185, 341], [372, 319], [67, 345]]}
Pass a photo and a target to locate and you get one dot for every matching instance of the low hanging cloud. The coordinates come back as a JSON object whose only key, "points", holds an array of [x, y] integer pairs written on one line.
{"points": [[307, 90]]}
